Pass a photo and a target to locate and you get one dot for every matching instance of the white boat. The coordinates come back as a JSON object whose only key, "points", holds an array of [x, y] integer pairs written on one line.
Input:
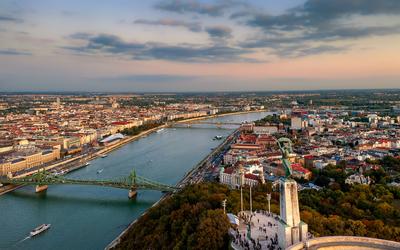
{"points": [[40, 229], [217, 137], [160, 130], [103, 156], [87, 163], [99, 171]]}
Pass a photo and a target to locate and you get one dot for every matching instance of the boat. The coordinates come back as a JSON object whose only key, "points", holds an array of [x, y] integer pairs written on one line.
{"points": [[160, 130], [99, 171], [217, 137], [87, 164], [40, 229], [103, 156]]}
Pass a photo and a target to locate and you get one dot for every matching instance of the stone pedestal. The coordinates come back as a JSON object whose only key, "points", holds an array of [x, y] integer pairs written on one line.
{"points": [[132, 194], [40, 188], [290, 229]]}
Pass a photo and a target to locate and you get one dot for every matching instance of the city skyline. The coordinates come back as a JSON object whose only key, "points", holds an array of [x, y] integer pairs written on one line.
{"points": [[198, 45]]}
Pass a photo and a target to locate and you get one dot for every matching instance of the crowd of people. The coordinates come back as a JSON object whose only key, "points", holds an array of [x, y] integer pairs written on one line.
{"points": [[244, 238]]}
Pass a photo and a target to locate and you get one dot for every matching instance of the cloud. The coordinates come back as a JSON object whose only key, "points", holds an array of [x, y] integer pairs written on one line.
{"points": [[147, 78], [9, 19], [105, 43], [219, 31], [192, 26], [316, 22], [318, 13], [14, 52], [197, 7], [302, 51], [113, 45], [329, 35], [80, 35]]}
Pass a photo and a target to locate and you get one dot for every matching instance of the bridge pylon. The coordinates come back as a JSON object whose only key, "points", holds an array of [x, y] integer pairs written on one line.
{"points": [[132, 194], [41, 188]]}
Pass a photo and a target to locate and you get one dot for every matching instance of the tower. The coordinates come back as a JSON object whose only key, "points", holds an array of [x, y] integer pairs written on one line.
{"points": [[291, 229]]}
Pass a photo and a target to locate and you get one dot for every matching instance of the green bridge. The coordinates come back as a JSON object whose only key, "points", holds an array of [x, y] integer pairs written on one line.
{"points": [[132, 182]]}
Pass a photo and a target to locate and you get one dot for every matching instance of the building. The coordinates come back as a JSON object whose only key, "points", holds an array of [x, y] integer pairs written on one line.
{"points": [[296, 123], [112, 139], [298, 171], [236, 178], [358, 179], [26, 159], [265, 130]]}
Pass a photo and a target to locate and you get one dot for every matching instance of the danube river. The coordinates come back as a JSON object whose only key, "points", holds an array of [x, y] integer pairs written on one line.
{"points": [[90, 217]]}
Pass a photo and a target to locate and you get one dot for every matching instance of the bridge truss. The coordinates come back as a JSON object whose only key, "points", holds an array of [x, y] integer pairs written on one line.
{"points": [[131, 182]]}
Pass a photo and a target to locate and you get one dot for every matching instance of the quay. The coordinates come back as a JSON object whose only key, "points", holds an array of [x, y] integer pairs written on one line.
{"points": [[206, 161]]}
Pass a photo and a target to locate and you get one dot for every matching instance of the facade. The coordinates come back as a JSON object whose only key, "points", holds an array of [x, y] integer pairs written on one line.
{"points": [[29, 160], [296, 123], [235, 179], [300, 172], [265, 130]]}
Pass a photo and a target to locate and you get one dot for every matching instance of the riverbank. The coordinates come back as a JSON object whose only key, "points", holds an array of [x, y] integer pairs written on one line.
{"points": [[183, 182]]}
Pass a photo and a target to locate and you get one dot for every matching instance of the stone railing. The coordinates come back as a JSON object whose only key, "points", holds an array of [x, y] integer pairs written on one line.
{"points": [[346, 242]]}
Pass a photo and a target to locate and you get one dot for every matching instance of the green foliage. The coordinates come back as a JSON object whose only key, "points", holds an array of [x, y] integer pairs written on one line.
{"points": [[187, 220], [193, 218], [141, 128], [391, 163], [272, 119], [363, 210]]}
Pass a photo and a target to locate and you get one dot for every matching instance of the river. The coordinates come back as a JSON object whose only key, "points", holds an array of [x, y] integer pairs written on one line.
{"points": [[90, 217]]}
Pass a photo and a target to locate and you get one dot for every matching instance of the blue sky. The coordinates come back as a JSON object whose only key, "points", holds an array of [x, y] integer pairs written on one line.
{"points": [[198, 45]]}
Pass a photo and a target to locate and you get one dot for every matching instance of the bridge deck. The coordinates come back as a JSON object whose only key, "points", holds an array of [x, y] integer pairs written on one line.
{"points": [[130, 182]]}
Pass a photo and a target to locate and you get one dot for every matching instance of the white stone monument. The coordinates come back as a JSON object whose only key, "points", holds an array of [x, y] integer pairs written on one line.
{"points": [[291, 229]]}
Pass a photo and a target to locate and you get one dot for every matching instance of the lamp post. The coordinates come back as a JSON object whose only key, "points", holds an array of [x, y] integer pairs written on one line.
{"points": [[224, 205], [251, 202], [269, 202], [241, 198]]}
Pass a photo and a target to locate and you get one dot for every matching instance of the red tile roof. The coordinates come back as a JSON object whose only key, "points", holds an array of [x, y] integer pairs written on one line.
{"points": [[297, 167], [251, 176]]}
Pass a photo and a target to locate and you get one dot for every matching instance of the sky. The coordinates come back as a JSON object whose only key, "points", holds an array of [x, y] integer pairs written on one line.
{"points": [[198, 45]]}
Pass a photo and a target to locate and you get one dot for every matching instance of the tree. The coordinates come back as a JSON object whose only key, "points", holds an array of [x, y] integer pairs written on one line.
{"points": [[211, 233]]}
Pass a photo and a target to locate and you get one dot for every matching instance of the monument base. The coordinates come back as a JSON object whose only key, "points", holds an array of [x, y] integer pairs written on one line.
{"points": [[290, 229]]}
